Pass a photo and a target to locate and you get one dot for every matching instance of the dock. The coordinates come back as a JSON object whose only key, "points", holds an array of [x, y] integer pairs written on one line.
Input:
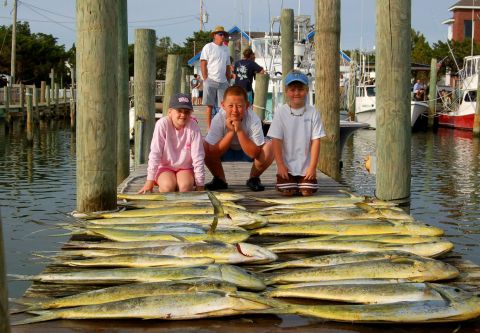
{"points": [[237, 173]]}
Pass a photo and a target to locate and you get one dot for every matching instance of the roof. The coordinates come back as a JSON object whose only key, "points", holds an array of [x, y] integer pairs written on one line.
{"points": [[465, 4]]}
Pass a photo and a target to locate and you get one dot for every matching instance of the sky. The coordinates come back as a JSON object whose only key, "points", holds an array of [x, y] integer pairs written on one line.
{"points": [[178, 19]]}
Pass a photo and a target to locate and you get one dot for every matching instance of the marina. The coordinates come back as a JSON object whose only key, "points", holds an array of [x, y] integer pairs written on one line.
{"points": [[389, 241]]}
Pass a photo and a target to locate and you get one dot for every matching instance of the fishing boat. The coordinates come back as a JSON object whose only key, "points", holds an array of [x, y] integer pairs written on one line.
{"points": [[462, 112], [365, 107]]}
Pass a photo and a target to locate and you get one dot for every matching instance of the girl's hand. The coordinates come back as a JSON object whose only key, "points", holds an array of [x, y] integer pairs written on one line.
{"points": [[148, 187]]}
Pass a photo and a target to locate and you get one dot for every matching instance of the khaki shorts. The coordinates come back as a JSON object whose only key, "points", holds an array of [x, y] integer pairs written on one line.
{"points": [[213, 92]]}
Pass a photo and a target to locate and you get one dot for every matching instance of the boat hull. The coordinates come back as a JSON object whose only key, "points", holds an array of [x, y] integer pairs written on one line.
{"points": [[457, 121]]}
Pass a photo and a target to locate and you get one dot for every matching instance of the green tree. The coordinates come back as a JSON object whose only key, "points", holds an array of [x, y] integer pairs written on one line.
{"points": [[421, 50], [454, 58], [36, 54]]}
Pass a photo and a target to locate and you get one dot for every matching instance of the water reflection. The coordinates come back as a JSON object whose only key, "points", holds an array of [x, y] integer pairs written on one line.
{"points": [[445, 181]]}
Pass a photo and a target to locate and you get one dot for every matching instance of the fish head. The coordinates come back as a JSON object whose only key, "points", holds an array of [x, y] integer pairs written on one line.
{"points": [[241, 277], [261, 254]]}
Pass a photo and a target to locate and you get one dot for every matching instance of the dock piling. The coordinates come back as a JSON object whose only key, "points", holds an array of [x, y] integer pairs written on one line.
{"points": [[144, 79], [432, 93], [393, 133], [29, 98], [4, 317], [260, 97], [97, 102], [43, 85], [171, 81], [123, 136], [286, 40], [327, 78]]}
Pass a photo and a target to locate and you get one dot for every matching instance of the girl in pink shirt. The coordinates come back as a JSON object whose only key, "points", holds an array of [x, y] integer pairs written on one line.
{"points": [[176, 160]]}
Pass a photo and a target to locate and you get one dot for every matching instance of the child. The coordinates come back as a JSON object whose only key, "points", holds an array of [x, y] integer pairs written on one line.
{"points": [[176, 160], [296, 130], [236, 135]]}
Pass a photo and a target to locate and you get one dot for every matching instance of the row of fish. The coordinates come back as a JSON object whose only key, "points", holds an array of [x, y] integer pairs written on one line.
{"points": [[179, 250]]}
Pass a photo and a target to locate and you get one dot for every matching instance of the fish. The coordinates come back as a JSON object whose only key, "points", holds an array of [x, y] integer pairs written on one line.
{"points": [[126, 291], [228, 236], [386, 238], [220, 252], [138, 204], [117, 245], [339, 215], [426, 249], [336, 259], [167, 307], [412, 269], [233, 274], [457, 305], [346, 197], [138, 260], [173, 227], [349, 228], [179, 196], [306, 206], [362, 293]]}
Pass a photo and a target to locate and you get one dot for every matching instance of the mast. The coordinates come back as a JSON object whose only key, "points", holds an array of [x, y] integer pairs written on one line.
{"points": [[201, 15], [14, 43]]}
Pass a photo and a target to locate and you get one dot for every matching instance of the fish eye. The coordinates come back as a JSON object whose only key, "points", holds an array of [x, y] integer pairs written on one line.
{"points": [[457, 290]]}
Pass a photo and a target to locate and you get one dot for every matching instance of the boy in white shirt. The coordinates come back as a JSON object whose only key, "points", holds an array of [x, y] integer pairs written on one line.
{"points": [[296, 130]]}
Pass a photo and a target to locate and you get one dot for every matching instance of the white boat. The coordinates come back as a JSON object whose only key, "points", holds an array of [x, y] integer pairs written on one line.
{"points": [[365, 107]]}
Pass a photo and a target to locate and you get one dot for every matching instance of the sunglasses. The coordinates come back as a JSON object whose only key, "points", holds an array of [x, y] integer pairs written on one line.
{"points": [[221, 34]]}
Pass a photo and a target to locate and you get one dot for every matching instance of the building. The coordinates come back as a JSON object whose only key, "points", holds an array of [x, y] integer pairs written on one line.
{"points": [[465, 22]]}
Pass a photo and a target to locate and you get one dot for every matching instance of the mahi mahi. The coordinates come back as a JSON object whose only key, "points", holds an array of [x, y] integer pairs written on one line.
{"points": [[179, 196]]}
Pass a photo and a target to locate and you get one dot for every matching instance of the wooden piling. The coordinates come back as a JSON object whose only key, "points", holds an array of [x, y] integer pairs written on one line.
{"points": [[43, 85], [4, 316], [47, 97], [393, 134], [184, 86], [286, 40], [327, 77], [123, 129], [22, 97], [6, 98], [35, 102], [96, 133], [56, 98], [144, 78], [72, 108], [138, 149], [29, 98], [231, 49], [261, 93], [432, 93], [171, 79]]}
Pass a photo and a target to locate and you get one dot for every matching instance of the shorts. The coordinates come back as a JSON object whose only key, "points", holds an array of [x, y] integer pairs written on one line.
{"points": [[161, 170], [200, 93], [250, 97], [194, 93], [295, 184], [232, 155], [213, 92]]}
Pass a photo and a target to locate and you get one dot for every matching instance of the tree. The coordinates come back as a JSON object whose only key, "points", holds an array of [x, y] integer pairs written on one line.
{"points": [[421, 50], [459, 50]]}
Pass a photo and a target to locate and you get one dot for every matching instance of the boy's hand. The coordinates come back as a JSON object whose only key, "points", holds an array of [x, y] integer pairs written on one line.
{"points": [[200, 188], [311, 173], [233, 124], [148, 187], [282, 171]]}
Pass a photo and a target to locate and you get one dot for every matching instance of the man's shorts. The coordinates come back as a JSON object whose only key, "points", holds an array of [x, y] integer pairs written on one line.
{"points": [[232, 155], [213, 92], [194, 93]]}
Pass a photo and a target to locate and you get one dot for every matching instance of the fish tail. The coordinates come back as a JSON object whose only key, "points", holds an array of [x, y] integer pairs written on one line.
{"points": [[272, 267], [42, 316]]}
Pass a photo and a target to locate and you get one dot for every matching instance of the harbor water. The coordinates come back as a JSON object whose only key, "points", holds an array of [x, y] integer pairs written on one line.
{"points": [[37, 189]]}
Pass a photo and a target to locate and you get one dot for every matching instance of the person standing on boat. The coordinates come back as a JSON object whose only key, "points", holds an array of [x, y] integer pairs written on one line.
{"points": [[296, 130], [215, 67], [176, 160], [245, 71], [419, 91]]}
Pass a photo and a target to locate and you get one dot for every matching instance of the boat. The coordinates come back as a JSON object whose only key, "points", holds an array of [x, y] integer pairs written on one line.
{"points": [[460, 114], [365, 107]]}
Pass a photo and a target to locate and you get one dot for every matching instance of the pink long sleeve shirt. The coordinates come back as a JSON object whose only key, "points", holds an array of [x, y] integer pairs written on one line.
{"points": [[176, 150]]}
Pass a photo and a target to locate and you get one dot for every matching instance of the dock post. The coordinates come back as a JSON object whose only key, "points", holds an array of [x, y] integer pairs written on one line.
{"points": [[28, 96], [286, 40], [35, 103], [21, 97], [96, 133], [144, 80], [231, 49], [6, 98], [4, 316], [138, 151], [184, 86], [432, 93], [72, 108], [56, 98], [352, 83], [65, 101], [43, 85], [123, 136], [47, 98], [327, 89], [260, 97], [171, 79], [393, 134]]}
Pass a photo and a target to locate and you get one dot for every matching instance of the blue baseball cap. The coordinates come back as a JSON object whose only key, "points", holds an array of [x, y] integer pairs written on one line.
{"points": [[296, 76], [181, 101]]}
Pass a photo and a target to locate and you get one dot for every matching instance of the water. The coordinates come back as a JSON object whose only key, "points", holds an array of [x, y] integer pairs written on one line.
{"points": [[37, 190]]}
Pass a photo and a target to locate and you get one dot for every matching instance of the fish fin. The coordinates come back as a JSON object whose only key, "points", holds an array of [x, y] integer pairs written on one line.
{"points": [[269, 268], [366, 207], [258, 299], [42, 316]]}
